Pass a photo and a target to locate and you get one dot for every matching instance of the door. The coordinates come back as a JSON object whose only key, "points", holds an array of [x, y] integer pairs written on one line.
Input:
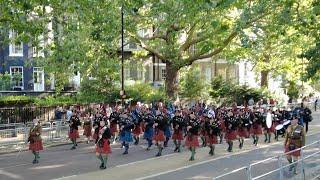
{"points": [[38, 79]]}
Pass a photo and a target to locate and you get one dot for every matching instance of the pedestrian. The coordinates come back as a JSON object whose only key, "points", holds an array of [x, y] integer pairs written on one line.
{"points": [[294, 139], [103, 144], [316, 104], [35, 140]]}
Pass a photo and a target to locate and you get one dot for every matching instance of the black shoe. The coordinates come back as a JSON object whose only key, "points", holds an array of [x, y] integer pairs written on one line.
{"points": [[179, 150], [191, 159], [73, 147], [265, 140], [126, 152], [158, 154], [102, 165], [76, 144], [176, 149], [35, 161]]}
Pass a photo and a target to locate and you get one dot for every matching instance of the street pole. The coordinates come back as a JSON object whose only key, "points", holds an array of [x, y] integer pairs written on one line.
{"points": [[122, 59]]}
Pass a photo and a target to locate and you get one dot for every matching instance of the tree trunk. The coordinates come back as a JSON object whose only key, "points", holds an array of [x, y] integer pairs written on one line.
{"points": [[171, 80], [264, 79]]}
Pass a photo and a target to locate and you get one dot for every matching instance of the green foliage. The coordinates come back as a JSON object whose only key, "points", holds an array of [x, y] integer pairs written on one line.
{"points": [[191, 87], [229, 92], [145, 93], [5, 81], [293, 91], [16, 100]]}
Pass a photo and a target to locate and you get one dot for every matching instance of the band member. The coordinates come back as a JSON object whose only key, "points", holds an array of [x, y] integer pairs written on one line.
{"points": [[148, 123], [256, 128], [231, 132], [103, 144], [242, 129], [114, 127], [166, 128], [126, 124], [178, 124], [294, 139], [159, 137], [73, 133], [137, 127], [35, 140], [87, 127], [213, 130], [191, 141]]}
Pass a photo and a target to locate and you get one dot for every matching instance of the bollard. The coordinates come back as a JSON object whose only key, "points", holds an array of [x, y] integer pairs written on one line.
{"points": [[280, 167]]}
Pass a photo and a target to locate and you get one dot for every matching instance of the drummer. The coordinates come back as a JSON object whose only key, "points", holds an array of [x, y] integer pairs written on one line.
{"points": [[295, 138], [268, 126]]}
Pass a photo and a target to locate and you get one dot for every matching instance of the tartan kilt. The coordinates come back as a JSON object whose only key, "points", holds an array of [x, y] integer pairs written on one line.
{"points": [[113, 128], [192, 142], [243, 132], [231, 135], [74, 134], [256, 131], [36, 146], [295, 153], [211, 140], [87, 131], [137, 130], [106, 149], [177, 135], [159, 136]]}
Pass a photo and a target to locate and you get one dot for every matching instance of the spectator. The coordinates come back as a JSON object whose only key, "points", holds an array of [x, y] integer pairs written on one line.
{"points": [[58, 113], [69, 113]]}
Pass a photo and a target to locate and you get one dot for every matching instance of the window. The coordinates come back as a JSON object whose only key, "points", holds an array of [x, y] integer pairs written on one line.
{"points": [[208, 74], [126, 73], [15, 48], [37, 75], [16, 73], [163, 74]]}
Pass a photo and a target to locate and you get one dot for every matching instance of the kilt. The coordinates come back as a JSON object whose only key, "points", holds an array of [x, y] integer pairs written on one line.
{"points": [[271, 130], [87, 131], [231, 135], [159, 136], [295, 153], [222, 126], [106, 149], [142, 126], [137, 130], [148, 133], [95, 136], [74, 134], [113, 128], [256, 131], [211, 140], [177, 135], [243, 132], [126, 136], [203, 132], [192, 142], [36, 146]]}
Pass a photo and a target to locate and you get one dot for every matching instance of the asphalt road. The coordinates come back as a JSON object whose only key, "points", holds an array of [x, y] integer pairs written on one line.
{"points": [[61, 162]]}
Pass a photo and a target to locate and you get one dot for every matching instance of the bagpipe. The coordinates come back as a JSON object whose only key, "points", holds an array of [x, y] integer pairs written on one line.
{"points": [[214, 129]]}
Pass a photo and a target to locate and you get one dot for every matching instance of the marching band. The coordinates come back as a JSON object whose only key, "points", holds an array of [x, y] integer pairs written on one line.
{"points": [[159, 124]]}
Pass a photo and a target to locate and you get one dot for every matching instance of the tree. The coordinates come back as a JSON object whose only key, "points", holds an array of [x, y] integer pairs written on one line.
{"points": [[190, 86], [207, 26]]}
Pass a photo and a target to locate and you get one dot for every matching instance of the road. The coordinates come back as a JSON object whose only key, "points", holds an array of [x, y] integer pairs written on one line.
{"points": [[62, 163]]}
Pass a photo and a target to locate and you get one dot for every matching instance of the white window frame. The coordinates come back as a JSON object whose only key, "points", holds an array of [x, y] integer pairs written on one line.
{"points": [[22, 78], [163, 73], [36, 70], [12, 45]]}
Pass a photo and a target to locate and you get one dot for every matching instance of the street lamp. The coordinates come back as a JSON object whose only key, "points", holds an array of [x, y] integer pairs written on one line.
{"points": [[122, 93]]}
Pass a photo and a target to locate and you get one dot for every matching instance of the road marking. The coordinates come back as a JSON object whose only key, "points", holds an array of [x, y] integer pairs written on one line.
{"points": [[210, 160]]}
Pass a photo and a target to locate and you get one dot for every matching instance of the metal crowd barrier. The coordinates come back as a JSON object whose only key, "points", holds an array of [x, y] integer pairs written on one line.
{"points": [[278, 173], [15, 136]]}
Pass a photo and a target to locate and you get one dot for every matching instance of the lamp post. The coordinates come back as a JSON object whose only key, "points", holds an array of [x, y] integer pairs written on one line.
{"points": [[122, 93]]}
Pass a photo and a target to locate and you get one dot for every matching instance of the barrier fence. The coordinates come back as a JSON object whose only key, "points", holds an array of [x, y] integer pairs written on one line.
{"points": [[277, 165], [15, 135]]}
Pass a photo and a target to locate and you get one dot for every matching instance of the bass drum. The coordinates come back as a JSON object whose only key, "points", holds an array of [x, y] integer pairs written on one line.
{"points": [[280, 129], [269, 120]]}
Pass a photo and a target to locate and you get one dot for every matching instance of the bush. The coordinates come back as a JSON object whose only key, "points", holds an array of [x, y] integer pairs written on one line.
{"points": [[229, 92], [5, 81], [16, 100]]}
